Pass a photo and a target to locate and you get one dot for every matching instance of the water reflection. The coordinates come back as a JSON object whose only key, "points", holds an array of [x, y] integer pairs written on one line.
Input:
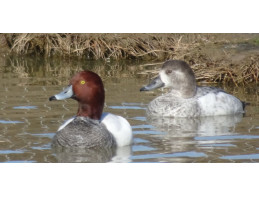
{"points": [[177, 139], [72, 155], [28, 121], [201, 126], [57, 71], [122, 155]]}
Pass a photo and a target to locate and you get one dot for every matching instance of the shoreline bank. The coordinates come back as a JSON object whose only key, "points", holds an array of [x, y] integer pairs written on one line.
{"points": [[219, 58]]}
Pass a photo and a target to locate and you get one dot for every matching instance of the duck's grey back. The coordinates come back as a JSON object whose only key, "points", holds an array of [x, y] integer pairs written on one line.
{"points": [[207, 101], [84, 132], [169, 105]]}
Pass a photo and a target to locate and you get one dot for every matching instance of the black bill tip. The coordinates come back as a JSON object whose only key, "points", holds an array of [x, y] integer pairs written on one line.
{"points": [[154, 84], [143, 89], [52, 98]]}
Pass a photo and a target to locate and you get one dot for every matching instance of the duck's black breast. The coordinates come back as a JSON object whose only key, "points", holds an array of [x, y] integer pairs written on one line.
{"points": [[84, 132]]}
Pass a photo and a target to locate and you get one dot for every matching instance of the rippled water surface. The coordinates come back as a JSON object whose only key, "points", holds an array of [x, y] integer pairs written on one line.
{"points": [[28, 121]]}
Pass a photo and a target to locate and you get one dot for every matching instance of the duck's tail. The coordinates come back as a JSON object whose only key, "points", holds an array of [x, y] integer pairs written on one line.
{"points": [[244, 104]]}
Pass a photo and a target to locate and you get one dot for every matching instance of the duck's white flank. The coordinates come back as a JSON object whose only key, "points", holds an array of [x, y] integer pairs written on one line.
{"points": [[119, 128], [221, 103]]}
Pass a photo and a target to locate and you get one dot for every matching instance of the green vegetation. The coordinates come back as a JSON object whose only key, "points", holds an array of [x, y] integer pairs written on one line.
{"points": [[255, 41]]}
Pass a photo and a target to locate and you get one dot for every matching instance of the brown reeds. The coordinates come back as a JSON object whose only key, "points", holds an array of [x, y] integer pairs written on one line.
{"points": [[93, 46], [228, 73], [192, 48]]}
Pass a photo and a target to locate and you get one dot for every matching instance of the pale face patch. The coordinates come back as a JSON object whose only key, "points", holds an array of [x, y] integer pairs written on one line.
{"points": [[164, 78], [172, 78]]}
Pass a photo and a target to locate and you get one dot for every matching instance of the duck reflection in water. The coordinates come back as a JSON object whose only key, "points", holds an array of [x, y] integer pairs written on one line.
{"points": [[196, 126], [185, 135], [188, 110], [92, 155]]}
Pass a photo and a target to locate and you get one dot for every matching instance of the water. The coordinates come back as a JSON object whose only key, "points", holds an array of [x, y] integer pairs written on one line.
{"points": [[28, 121]]}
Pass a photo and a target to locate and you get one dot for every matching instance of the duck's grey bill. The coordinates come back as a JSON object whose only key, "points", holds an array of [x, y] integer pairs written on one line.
{"points": [[155, 83], [66, 93]]}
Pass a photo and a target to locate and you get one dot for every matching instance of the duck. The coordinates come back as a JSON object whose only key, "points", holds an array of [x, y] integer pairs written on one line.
{"points": [[186, 98], [90, 127]]}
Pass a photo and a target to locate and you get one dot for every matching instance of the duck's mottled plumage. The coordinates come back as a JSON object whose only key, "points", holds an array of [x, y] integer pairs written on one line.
{"points": [[84, 132], [186, 99]]}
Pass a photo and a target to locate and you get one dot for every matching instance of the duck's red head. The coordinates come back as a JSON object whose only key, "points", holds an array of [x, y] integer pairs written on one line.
{"points": [[87, 88]]}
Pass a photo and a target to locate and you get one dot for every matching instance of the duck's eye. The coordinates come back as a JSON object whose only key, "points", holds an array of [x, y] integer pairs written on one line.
{"points": [[168, 71], [82, 82]]}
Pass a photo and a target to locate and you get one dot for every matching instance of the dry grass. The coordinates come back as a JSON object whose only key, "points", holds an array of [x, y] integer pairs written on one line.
{"points": [[193, 48], [93, 46], [237, 74]]}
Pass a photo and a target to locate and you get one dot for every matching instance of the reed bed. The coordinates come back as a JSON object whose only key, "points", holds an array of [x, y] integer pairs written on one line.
{"points": [[236, 74], [93, 46], [156, 48], [219, 73]]}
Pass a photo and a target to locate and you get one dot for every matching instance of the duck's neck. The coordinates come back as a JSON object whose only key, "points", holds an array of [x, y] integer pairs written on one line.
{"points": [[90, 111], [189, 92], [186, 90]]}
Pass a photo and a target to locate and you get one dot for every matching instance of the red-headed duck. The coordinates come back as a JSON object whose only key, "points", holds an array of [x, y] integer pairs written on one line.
{"points": [[90, 127]]}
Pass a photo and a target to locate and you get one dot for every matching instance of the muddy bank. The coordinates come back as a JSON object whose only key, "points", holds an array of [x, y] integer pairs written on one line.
{"points": [[226, 58]]}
